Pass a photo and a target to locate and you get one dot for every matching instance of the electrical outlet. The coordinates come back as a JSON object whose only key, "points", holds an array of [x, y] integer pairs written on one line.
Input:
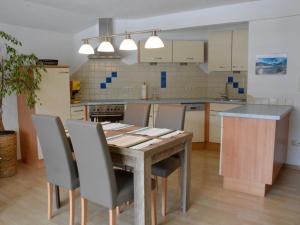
{"points": [[296, 142]]}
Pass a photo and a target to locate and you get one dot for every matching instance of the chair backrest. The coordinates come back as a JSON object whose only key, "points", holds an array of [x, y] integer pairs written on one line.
{"points": [[137, 114], [170, 116], [57, 151], [97, 178]]}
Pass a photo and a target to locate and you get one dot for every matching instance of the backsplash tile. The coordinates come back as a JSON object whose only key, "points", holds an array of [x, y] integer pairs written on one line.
{"points": [[165, 80]]}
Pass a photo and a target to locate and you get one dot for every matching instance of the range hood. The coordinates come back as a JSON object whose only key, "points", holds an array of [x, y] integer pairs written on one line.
{"points": [[106, 29]]}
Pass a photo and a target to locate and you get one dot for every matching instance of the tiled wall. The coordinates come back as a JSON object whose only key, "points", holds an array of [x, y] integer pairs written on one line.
{"points": [[182, 81]]}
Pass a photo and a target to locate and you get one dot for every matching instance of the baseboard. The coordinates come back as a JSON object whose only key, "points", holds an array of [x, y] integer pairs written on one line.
{"points": [[206, 146], [294, 167]]}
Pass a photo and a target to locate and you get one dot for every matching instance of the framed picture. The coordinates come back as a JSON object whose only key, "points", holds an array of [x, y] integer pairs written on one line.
{"points": [[275, 64]]}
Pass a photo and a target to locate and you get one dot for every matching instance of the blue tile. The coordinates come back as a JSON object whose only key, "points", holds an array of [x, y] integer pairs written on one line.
{"points": [[108, 79], [230, 79], [235, 85], [102, 85], [114, 74], [241, 90], [163, 79]]}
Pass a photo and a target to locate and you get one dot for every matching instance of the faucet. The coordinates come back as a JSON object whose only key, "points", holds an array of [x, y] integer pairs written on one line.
{"points": [[225, 96]]}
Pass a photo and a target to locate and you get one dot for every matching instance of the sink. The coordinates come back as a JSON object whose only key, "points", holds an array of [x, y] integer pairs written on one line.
{"points": [[229, 100]]}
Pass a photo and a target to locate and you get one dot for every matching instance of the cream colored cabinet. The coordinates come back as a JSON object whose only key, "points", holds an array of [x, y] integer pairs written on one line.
{"points": [[77, 113], [228, 51], [188, 51], [240, 50], [219, 51], [194, 122], [215, 121], [153, 112], [155, 55]]}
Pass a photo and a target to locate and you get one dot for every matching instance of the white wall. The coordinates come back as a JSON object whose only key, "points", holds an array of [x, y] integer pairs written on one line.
{"points": [[278, 36], [45, 44]]}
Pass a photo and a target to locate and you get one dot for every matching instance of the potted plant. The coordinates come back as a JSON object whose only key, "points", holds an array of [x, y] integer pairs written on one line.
{"points": [[20, 75]]}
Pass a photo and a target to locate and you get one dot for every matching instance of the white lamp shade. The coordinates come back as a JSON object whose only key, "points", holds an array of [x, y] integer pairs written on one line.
{"points": [[86, 49], [105, 46], [154, 42], [128, 44]]}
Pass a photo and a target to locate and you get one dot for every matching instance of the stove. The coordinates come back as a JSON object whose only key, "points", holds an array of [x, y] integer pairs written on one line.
{"points": [[111, 113]]}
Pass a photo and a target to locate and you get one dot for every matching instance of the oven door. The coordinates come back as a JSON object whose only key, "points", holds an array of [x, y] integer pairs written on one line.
{"points": [[110, 117]]}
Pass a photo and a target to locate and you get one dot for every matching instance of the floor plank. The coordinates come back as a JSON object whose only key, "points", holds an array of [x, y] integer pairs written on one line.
{"points": [[23, 200]]}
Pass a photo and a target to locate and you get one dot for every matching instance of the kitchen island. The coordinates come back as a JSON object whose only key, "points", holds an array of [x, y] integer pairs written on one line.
{"points": [[253, 146]]}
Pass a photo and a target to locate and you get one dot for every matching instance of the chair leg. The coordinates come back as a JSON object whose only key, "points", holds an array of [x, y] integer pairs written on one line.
{"points": [[164, 196], [50, 199], [153, 207], [118, 210], [83, 211], [112, 216], [72, 206]]}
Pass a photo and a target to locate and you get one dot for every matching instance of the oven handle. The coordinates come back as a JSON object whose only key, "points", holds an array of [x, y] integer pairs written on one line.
{"points": [[108, 115]]}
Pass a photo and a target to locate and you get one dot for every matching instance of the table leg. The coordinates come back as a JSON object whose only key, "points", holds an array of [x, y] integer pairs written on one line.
{"points": [[57, 197], [142, 191], [185, 176]]}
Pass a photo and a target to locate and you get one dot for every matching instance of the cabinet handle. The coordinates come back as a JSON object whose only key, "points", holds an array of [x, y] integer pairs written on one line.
{"points": [[222, 67], [189, 58], [63, 72], [157, 58]]}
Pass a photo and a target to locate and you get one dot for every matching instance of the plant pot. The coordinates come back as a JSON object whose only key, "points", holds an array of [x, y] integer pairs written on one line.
{"points": [[8, 153]]}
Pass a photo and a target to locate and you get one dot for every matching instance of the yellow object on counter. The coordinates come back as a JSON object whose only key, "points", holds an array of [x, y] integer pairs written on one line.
{"points": [[75, 85]]}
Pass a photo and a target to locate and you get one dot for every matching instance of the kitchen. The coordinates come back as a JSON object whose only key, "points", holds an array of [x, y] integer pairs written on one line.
{"points": [[210, 67]]}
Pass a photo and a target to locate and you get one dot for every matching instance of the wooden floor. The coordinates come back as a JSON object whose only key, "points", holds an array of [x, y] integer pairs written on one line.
{"points": [[23, 200]]}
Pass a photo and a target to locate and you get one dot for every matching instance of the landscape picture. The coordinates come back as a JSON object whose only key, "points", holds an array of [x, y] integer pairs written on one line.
{"points": [[271, 64]]}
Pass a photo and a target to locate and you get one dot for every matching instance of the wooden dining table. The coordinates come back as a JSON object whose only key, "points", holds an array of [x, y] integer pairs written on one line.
{"points": [[141, 161]]}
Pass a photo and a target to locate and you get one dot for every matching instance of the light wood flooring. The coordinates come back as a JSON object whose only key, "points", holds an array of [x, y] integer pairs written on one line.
{"points": [[23, 200]]}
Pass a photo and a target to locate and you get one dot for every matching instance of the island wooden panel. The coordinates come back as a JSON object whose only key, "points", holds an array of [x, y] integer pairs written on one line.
{"points": [[253, 151]]}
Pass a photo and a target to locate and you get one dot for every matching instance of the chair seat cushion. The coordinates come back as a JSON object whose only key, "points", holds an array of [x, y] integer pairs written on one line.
{"points": [[165, 167]]}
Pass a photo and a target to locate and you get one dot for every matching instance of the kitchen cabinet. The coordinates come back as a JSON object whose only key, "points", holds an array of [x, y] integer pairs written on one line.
{"points": [[155, 55], [215, 121], [219, 51], [240, 50], [153, 112], [188, 51], [54, 99], [228, 51], [77, 112], [194, 122]]}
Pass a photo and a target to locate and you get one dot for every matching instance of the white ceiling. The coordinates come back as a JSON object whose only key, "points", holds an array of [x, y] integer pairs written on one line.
{"points": [[71, 16]]}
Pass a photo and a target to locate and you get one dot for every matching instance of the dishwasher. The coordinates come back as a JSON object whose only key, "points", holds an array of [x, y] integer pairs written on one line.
{"points": [[194, 120]]}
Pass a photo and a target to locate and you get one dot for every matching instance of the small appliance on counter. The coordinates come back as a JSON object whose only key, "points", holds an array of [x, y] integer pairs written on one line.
{"points": [[75, 89]]}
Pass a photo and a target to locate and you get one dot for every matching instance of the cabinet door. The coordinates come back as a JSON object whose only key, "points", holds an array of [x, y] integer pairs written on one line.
{"points": [[240, 50], [156, 55], [194, 122], [77, 113], [188, 51], [214, 127], [219, 51]]}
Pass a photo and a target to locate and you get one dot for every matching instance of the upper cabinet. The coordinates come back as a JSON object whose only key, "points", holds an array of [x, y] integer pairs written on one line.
{"points": [[188, 51], [228, 51], [156, 55], [240, 50], [219, 51]]}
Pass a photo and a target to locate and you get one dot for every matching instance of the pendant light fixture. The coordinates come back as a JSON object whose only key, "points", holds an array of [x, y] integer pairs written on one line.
{"points": [[128, 44], [154, 41], [105, 46], [86, 48]]}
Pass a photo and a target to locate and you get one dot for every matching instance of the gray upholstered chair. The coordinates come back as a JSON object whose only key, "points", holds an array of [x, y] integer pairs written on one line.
{"points": [[137, 114], [61, 168], [171, 117], [99, 182]]}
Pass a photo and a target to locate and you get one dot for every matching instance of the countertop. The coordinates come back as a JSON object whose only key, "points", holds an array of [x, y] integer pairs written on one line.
{"points": [[158, 101], [268, 112]]}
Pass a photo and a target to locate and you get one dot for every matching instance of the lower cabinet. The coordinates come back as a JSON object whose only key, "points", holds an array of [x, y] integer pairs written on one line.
{"points": [[77, 113], [215, 120], [194, 122]]}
